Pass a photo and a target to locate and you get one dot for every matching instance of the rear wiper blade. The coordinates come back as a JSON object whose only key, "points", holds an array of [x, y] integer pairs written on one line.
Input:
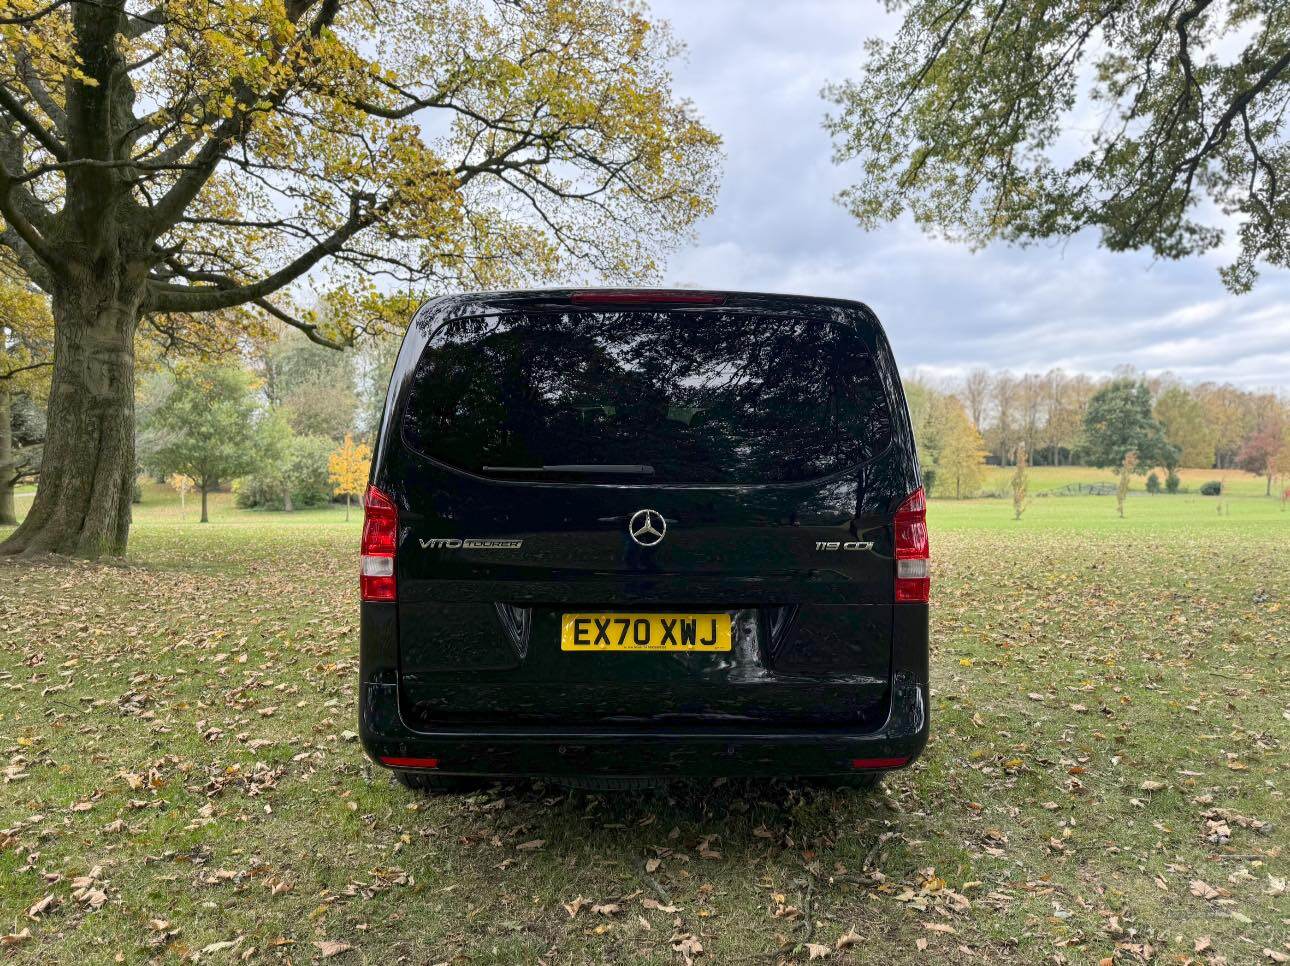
{"points": [[625, 469]]}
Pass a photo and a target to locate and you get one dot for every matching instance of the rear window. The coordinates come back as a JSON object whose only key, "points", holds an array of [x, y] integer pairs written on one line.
{"points": [[709, 396]]}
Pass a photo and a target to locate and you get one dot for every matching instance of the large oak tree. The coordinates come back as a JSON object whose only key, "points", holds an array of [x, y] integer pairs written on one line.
{"points": [[1158, 123], [159, 163]]}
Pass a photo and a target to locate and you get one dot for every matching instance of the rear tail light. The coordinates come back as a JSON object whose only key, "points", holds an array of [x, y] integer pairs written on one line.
{"points": [[913, 583], [397, 761], [864, 764], [380, 541], [646, 297]]}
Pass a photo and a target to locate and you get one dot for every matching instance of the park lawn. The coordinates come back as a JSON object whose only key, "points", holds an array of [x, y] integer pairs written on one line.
{"points": [[1106, 775], [1043, 479]]}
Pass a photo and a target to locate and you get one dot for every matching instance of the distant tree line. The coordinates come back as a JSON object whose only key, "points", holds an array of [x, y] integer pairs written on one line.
{"points": [[1064, 419]]}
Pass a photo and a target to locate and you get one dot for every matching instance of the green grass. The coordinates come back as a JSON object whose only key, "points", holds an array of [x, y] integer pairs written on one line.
{"points": [[1043, 479], [1108, 693]]}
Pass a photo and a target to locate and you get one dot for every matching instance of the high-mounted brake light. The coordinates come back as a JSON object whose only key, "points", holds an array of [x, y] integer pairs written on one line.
{"points": [[646, 297], [380, 542], [913, 554]]}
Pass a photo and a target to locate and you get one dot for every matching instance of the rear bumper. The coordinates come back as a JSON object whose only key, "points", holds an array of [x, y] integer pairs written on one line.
{"points": [[502, 751]]}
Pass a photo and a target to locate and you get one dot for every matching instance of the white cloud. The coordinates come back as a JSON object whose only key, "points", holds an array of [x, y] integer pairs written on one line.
{"points": [[755, 70]]}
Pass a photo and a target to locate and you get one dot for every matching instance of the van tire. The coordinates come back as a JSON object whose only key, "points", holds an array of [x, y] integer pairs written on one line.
{"points": [[429, 783]]}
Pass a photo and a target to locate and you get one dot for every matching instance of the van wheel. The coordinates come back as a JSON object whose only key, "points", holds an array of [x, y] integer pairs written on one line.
{"points": [[863, 782], [432, 784]]}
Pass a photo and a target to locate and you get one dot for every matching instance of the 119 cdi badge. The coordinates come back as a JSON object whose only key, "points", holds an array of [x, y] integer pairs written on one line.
{"points": [[622, 536]]}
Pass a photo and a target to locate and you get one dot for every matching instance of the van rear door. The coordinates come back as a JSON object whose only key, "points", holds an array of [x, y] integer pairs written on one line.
{"points": [[762, 437]]}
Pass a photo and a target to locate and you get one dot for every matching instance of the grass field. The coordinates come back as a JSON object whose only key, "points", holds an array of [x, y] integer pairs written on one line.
{"points": [[1106, 776]]}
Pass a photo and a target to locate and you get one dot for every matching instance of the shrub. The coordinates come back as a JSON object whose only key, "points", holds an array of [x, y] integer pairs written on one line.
{"points": [[302, 465], [1153, 483], [1172, 482], [1211, 488]]}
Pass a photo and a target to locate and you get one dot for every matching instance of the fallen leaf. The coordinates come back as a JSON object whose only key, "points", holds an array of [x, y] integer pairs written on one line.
{"points": [[848, 939], [1202, 890], [328, 948], [14, 938], [658, 906], [42, 906], [219, 947], [576, 906]]}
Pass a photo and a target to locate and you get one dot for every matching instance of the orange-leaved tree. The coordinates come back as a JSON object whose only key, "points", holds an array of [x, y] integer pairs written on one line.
{"points": [[347, 468]]}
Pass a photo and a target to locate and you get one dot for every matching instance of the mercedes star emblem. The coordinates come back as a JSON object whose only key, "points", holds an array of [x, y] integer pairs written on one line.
{"points": [[647, 527]]}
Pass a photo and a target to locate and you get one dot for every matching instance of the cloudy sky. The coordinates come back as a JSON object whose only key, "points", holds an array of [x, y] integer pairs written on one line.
{"points": [[754, 70]]}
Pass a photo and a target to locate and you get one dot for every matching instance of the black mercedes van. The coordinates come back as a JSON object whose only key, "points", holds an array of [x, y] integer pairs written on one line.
{"points": [[618, 536]]}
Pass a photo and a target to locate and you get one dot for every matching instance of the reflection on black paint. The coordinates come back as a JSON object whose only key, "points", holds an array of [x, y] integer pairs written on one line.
{"points": [[703, 397]]}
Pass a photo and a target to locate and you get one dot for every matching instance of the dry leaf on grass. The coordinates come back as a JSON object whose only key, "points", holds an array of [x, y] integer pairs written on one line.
{"points": [[576, 906], [13, 938], [1202, 890], [42, 906]]}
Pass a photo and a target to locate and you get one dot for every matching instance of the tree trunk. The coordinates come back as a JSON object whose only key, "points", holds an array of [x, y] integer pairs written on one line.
{"points": [[205, 516], [347, 508], [82, 503], [8, 516], [286, 500]]}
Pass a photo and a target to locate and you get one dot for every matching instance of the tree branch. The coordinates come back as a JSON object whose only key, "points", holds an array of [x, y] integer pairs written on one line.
{"points": [[18, 223], [9, 374], [30, 264], [308, 328], [29, 18], [165, 297], [38, 90], [172, 204], [14, 108], [141, 23]]}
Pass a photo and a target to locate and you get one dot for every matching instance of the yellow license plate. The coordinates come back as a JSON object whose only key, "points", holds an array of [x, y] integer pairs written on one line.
{"points": [[645, 632]]}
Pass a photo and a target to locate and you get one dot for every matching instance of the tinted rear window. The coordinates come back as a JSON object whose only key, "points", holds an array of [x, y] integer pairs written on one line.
{"points": [[711, 396]]}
